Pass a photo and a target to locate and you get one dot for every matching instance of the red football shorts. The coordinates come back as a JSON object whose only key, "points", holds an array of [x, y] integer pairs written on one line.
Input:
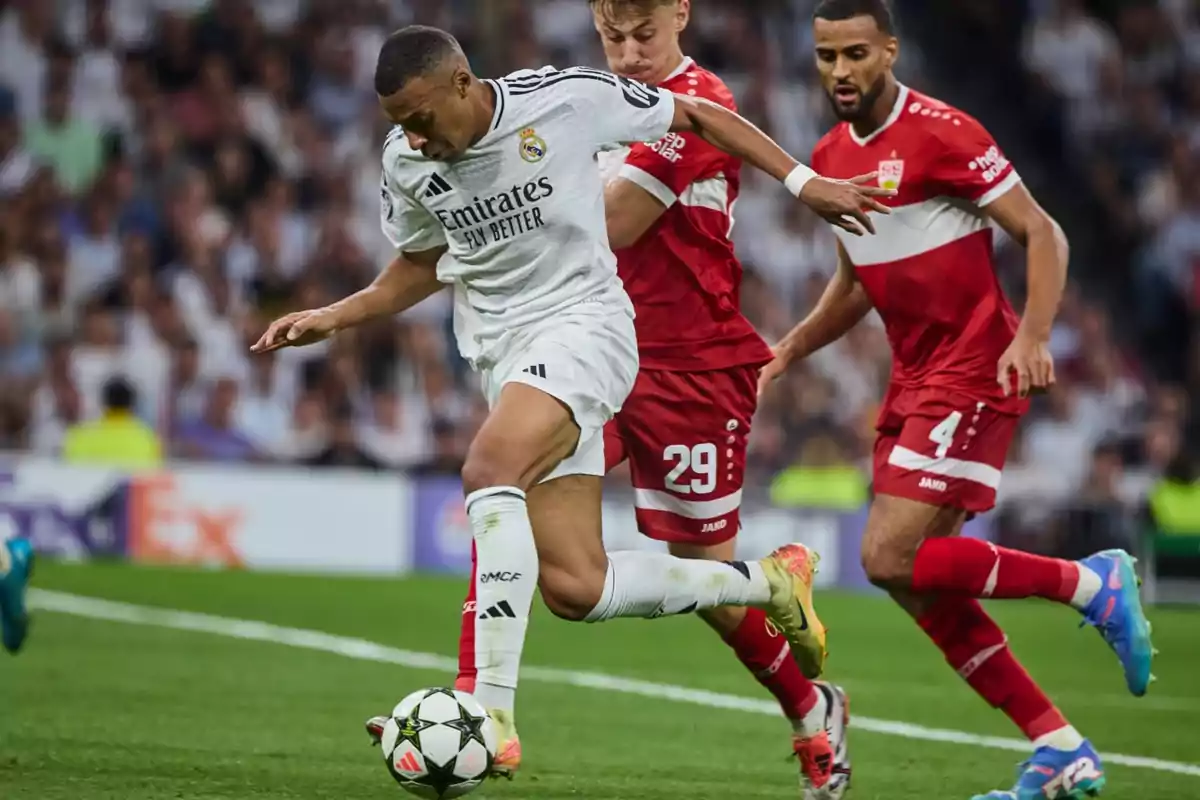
{"points": [[685, 435], [941, 448]]}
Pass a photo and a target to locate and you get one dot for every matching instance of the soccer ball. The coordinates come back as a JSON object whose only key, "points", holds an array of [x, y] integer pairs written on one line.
{"points": [[439, 743]]}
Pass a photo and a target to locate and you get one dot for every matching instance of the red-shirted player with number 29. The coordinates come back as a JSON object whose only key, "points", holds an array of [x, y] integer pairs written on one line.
{"points": [[963, 367], [684, 427]]}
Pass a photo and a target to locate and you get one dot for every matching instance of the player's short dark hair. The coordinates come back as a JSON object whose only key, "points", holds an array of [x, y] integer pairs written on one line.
{"points": [[878, 10], [119, 394], [409, 53]]}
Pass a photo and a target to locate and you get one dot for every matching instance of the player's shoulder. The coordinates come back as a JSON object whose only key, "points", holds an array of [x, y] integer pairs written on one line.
{"points": [[928, 118], [696, 81], [548, 92], [550, 81]]}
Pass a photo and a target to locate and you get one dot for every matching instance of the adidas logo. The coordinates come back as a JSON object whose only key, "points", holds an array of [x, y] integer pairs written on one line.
{"points": [[501, 609], [437, 186], [408, 763], [537, 370]]}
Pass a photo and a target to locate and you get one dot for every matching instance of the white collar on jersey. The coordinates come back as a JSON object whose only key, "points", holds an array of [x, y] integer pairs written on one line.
{"points": [[897, 108], [683, 67]]}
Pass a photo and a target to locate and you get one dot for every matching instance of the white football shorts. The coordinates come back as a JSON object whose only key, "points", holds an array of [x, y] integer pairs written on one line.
{"points": [[586, 357]]}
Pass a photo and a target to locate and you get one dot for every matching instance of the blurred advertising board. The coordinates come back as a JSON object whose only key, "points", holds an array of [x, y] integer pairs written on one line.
{"points": [[216, 516]]}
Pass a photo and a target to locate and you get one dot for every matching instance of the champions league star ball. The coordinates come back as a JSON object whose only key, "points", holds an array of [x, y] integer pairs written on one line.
{"points": [[439, 743]]}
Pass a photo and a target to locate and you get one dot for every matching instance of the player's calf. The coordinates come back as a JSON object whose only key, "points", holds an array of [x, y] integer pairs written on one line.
{"points": [[978, 651], [573, 584]]}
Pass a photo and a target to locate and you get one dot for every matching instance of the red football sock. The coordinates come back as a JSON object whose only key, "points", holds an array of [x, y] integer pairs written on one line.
{"points": [[766, 654], [957, 565], [978, 650], [466, 637]]}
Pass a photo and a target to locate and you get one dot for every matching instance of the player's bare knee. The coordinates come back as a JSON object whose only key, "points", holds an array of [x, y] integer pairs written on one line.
{"points": [[887, 553], [895, 529], [886, 565], [493, 463], [481, 472], [571, 595]]}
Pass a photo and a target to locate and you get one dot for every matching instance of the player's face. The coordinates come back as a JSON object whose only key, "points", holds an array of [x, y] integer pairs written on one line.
{"points": [[854, 58], [642, 46], [436, 113]]}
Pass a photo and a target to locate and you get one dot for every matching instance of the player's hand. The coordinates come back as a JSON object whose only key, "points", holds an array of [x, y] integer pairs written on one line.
{"points": [[773, 370], [297, 329], [845, 203], [1030, 359]]}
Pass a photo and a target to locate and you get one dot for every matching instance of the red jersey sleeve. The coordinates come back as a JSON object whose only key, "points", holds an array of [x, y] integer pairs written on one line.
{"points": [[967, 162], [669, 166], [666, 168]]}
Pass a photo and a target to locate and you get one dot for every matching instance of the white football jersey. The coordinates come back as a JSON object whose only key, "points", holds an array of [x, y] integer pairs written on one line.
{"points": [[522, 211]]}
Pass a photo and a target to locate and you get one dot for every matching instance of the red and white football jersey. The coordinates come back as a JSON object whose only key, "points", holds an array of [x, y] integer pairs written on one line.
{"points": [[682, 274], [929, 268]]}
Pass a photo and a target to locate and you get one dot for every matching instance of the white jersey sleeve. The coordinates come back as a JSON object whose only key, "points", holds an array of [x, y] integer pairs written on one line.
{"points": [[408, 226], [618, 111]]}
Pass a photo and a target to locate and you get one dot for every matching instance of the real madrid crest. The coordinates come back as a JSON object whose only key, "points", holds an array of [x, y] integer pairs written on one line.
{"points": [[533, 147], [890, 173]]}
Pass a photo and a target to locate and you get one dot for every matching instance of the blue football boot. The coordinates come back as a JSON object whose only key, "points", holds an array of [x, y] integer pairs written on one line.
{"points": [[16, 565], [1056, 775], [1116, 611]]}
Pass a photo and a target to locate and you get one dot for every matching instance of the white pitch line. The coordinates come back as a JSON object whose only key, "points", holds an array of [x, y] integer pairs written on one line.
{"points": [[364, 650]]}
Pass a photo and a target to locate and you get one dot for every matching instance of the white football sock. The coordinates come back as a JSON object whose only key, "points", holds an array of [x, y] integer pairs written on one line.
{"points": [[642, 584], [1088, 587], [1066, 739], [506, 576], [813, 722]]}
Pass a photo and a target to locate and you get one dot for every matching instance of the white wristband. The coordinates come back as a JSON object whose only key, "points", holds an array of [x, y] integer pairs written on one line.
{"points": [[797, 178]]}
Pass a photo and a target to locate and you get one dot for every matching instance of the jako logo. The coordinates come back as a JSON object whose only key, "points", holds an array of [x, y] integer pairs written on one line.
{"points": [[712, 527], [933, 484], [502, 577]]}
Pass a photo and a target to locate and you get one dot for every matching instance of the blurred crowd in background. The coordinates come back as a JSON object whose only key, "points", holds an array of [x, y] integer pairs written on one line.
{"points": [[173, 173]]}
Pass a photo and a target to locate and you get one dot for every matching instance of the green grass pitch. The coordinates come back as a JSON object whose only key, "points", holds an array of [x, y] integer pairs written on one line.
{"points": [[99, 710]]}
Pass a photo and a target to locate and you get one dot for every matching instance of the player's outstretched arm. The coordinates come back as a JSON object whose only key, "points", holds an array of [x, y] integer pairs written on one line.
{"points": [[1047, 253], [409, 279], [842, 203], [843, 304]]}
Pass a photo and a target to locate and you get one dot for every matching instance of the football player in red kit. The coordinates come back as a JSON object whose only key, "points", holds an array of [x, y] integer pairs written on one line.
{"points": [[964, 365], [684, 428]]}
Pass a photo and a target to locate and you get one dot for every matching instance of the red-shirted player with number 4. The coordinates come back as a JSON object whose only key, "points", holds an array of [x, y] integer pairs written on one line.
{"points": [[684, 428], [963, 367]]}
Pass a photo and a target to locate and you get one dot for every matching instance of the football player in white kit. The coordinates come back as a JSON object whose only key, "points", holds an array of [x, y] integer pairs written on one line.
{"points": [[491, 186]]}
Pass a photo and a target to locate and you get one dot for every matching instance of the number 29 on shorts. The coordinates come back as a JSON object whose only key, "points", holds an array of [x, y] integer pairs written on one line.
{"points": [[701, 459]]}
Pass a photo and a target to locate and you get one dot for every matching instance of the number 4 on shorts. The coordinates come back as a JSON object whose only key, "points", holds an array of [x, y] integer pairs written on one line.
{"points": [[943, 434]]}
